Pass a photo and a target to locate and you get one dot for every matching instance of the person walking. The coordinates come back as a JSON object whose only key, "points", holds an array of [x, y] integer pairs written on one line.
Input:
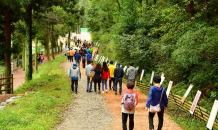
{"points": [[74, 76], [87, 50], [88, 69], [129, 101], [88, 57], [157, 95], [97, 78], [68, 54], [77, 58], [118, 74], [91, 51], [92, 44], [131, 73], [83, 60], [105, 76], [42, 58], [112, 78], [38, 58], [71, 55]]}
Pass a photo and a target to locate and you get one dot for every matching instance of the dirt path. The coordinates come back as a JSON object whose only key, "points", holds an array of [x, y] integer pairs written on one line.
{"points": [[88, 111], [113, 103]]}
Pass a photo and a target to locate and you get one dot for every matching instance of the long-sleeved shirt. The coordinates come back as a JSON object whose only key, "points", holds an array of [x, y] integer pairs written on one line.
{"points": [[74, 73], [77, 57], [88, 68], [135, 98], [118, 73], [112, 68], [106, 74], [131, 73], [154, 97]]}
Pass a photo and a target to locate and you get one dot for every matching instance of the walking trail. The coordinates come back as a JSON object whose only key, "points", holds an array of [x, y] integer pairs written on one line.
{"points": [[91, 111]]}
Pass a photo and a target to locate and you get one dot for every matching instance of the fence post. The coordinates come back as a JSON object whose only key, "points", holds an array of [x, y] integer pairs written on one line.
{"points": [[12, 86]]}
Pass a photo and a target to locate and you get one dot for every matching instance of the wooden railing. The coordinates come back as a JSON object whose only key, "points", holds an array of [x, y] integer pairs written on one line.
{"points": [[3, 83], [200, 112]]}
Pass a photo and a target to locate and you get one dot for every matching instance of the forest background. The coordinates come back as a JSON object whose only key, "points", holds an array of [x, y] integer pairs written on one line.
{"points": [[177, 37]]}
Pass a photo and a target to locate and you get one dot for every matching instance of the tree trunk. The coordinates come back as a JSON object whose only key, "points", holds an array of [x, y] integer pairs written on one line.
{"points": [[132, 5], [23, 57], [36, 54], [119, 5], [69, 39], [47, 43], [146, 1], [52, 42], [191, 7], [28, 54], [155, 1], [7, 54], [207, 7]]}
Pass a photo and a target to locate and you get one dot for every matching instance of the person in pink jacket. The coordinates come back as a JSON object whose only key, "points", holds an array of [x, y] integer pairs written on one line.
{"points": [[105, 76]]}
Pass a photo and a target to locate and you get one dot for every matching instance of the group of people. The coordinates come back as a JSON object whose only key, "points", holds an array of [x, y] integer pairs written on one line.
{"points": [[40, 58], [129, 98]]}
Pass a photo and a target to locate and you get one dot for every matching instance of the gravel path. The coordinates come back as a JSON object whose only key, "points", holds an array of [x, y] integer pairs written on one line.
{"points": [[88, 111]]}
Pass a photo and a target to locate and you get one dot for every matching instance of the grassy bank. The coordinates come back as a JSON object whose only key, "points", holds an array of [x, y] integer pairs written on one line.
{"points": [[42, 110]]}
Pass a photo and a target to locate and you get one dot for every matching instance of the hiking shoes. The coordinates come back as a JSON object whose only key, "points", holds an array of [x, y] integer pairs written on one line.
{"points": [[106, 91], [87, 90], [115, 93], [102, 91]]}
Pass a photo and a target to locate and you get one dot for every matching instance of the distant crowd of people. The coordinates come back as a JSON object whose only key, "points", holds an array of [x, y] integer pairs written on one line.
{"points": [[101, 73]]}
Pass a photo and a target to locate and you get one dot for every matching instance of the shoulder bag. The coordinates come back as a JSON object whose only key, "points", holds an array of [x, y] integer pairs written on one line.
{"points": [[154, 109]]}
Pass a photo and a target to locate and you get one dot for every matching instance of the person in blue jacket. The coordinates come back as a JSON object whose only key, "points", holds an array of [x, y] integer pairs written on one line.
{"points": [[74, 76], [154, 99], [77, 58]]}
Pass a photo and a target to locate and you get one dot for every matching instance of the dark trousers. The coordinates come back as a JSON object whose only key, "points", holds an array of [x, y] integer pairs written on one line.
{"points": [[95, 83], [71, 58], [111, 80], [119, 80], [160, 119], [84, 64], [88, 62], [131, 121], [76, 85]]}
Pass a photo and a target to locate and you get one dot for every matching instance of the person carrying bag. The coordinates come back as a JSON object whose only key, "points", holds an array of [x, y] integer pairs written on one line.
{"points": [[156, 103]]}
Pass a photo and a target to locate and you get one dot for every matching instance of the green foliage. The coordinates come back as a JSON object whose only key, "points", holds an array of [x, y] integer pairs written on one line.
{"points": [[163, 38], [43, 109]]}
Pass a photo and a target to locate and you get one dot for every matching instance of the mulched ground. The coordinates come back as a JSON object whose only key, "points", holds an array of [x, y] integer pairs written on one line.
{"points": [[3, 98]]}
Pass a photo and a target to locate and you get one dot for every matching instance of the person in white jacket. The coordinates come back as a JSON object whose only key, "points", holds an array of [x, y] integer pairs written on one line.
{"points": [[74, 76]]}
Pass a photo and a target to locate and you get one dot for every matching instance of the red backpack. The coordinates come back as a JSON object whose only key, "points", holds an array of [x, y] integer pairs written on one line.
{"points": [[81, 51], [129, 103]]}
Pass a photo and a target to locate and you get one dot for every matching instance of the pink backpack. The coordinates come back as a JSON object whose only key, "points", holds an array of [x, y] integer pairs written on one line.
{"points": [[129, 103]]}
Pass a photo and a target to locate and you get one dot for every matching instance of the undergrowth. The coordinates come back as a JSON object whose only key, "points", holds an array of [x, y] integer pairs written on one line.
{"points": [[42, 109]]}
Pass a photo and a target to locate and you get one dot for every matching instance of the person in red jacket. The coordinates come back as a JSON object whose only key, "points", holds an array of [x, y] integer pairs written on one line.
{"points": [[125, 112], [105, 76]]}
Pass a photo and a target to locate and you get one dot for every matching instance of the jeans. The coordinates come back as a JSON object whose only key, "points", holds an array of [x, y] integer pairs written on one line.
{"points": [[120, 83], [71, 58], [111, 80], [78, 63], [41, 60], [98, 85], [131, 121], [160, 119], [104, 82], [88, 81], [76, 85]]}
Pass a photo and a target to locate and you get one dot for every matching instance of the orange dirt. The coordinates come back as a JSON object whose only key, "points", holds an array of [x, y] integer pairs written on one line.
{"points": [[141, 115]]}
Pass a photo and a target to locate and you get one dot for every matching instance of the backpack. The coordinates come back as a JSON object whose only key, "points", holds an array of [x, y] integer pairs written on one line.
{"points": [[81, 51], [129, 103]]}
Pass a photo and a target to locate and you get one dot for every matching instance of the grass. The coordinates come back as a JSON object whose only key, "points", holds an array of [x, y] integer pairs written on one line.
{"points": [[42, 110], [1, 69], [183, 117]]}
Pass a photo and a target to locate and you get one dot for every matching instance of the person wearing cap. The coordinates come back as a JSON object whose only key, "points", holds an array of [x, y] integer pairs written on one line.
{"points": [[118, 74], [74, 76]]}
